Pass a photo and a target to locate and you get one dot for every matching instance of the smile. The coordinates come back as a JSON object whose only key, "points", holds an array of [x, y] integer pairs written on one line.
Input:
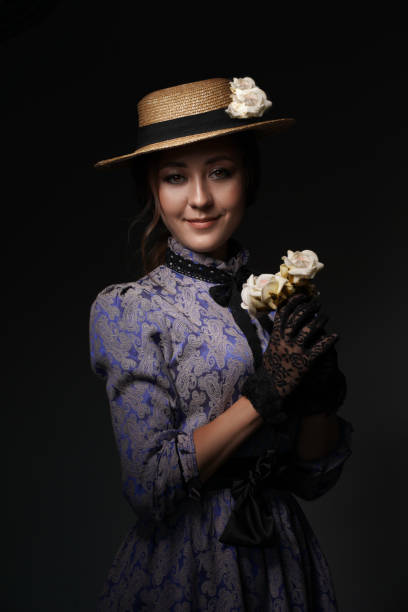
{"points": [[204, 223]]}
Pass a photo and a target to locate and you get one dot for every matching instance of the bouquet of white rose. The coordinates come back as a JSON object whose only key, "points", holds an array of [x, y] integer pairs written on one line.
{"points": [[265, 292]]}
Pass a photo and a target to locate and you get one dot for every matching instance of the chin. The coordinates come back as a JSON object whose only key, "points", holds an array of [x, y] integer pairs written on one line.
{"points": [[204, 244]]}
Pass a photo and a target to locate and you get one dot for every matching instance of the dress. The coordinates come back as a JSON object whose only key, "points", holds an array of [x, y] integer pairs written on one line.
{"points": [[173, 359]]}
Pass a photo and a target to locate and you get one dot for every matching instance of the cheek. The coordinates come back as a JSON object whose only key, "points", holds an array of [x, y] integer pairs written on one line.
{"points": [[233, 195], [169, 200]]}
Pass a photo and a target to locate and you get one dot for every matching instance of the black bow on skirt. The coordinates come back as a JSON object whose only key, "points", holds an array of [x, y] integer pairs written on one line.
{"points": [[251, 523], [253, 484]]}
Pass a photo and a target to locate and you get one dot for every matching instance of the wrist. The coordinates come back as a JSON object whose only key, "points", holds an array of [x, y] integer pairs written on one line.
{"points": [[260, 390]]}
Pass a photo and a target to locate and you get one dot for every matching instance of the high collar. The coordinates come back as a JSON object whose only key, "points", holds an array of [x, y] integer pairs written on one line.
{"points": [[239, 255]]}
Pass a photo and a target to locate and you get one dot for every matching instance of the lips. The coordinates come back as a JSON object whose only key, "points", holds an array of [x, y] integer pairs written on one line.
{"points": [[203, 223], [202, 220]]}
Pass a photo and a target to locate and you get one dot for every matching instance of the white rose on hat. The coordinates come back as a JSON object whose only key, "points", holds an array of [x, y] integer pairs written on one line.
{"points": [[244, 83], [248, 100]]}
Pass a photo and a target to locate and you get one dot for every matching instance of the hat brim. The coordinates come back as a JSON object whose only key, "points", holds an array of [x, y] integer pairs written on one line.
{"points": [[273, 125]]}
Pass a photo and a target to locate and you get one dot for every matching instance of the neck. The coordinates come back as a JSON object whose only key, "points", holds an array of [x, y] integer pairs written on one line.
{"points": [[221, 252], [234, 255]]}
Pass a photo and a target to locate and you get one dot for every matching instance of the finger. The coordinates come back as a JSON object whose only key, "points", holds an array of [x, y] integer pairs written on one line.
{"points": [[330, 355], [289, 306], [314, 329], [323, 345], [323, 367], [301, 315]]}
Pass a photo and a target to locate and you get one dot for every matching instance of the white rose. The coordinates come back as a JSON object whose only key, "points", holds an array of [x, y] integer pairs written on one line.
{"points": [[248, 100], [302, 264], [251, 293], [255, 100], [237, 109], [244, 83], [272, 292]]}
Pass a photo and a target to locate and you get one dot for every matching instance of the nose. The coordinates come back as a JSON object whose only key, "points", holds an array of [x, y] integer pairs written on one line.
{"points": [[200, 194]]}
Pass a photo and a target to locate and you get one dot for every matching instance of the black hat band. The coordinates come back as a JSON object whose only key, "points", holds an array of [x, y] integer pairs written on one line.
{"points": [[194, 124]]}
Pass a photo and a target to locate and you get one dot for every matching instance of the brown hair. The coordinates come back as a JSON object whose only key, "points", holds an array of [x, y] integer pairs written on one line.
{"points": [[156, 232]]}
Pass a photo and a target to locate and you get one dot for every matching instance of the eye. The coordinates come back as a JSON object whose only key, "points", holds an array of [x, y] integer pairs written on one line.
{"points": [[169, 178], [224, 172]]}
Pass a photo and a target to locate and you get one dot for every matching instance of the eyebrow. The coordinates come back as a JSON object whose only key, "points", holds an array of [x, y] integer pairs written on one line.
{"points": [[183, 165]]}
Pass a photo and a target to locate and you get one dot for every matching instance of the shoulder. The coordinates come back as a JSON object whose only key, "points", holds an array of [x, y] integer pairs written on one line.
{"points": [[115, 299], [118, 290], [126, 322], [129, 303], [153, 283]]}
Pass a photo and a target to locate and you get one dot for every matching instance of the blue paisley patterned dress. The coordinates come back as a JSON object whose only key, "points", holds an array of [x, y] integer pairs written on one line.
{"points": [[172, 360]]}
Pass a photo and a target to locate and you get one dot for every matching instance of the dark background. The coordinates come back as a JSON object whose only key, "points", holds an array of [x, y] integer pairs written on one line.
{"points": [[72, 74]]}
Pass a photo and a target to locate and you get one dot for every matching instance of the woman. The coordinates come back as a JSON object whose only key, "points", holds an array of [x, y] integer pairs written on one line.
{"points": [[219, 416]]}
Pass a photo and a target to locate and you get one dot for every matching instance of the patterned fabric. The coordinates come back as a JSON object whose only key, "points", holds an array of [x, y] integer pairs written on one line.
{"points": [[172, 360]]}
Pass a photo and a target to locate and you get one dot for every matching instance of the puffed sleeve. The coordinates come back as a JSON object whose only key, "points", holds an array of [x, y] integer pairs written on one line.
{"points": [[312, 479], [158, 460]]}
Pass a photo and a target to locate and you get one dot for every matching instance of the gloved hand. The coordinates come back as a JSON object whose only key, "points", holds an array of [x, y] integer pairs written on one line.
{"points": [[295, 343], [323, 389]]}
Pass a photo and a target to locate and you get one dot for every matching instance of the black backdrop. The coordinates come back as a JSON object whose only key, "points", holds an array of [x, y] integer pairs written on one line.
{"points": [[71, 77]]}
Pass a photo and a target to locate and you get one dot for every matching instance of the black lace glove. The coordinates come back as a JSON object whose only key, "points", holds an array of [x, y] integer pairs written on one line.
{"points": [[322, 390], [296, 342]]}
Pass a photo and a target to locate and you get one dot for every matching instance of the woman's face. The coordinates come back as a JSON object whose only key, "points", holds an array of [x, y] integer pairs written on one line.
{"points": [[200, 181]]}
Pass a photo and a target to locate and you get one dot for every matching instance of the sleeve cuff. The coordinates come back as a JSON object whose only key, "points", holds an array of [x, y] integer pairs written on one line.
{"points": [[336, 457], [188, 464]]}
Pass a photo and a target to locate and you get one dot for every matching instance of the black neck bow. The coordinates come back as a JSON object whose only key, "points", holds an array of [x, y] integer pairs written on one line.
{"points": [[227, 293]]}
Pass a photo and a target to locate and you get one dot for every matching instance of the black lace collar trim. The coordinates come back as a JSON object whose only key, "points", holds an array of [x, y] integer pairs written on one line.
{"points": [[189, 268]]}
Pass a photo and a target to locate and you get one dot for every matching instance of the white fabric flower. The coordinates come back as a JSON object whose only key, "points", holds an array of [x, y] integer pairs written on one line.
{"points": [[302, 265], [244, 83], [248, 100]]}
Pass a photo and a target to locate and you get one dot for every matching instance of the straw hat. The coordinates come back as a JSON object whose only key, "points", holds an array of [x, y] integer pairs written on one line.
{"points": [[186, 113]]}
